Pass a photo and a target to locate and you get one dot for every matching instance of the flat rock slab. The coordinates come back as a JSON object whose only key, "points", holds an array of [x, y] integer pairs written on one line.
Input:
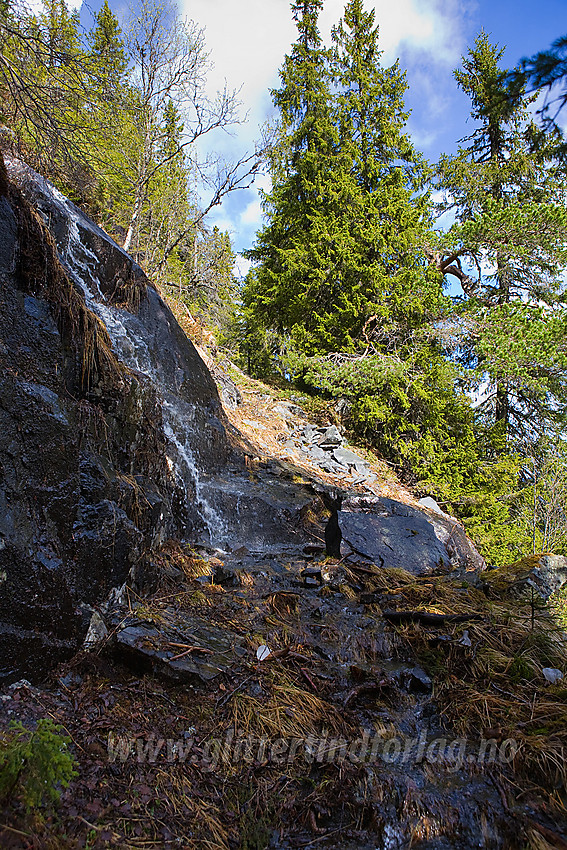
{"points": [[348, 458], [391, 534], [179, 654], [331, 438]]}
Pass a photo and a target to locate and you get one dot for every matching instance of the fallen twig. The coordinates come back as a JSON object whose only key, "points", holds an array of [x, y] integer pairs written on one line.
{"points": [[427, 618], [306, 676]]}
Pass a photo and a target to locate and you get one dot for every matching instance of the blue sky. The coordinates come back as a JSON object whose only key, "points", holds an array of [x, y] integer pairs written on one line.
{"points": [[248, 39]]}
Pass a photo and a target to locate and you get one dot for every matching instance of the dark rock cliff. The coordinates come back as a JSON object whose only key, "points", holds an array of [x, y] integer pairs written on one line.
{"points": [[86, 485]]}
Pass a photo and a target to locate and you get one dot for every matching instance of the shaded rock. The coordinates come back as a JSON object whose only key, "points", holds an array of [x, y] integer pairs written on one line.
{"points": [[179, 651], [8, 243], [88, 485], [96, 633], [418, 680], [391, 534], [312, 576]]}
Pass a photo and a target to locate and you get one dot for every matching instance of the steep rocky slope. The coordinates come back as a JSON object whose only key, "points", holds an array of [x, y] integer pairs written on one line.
{"points": [[113, 436], [187, 543]]}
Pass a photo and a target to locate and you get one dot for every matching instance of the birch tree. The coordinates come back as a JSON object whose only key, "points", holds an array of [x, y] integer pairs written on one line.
{"points": [[170, 69]]}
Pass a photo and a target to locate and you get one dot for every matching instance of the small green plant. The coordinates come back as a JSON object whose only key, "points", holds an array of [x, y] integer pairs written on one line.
{"points": [[558, 603], [35, 764]]}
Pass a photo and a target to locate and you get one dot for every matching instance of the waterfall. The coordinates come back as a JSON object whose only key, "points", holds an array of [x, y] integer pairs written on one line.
{"points": [[131, 340]]}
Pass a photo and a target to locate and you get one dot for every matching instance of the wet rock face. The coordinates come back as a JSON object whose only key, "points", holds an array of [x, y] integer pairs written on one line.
{"points": [[145, 335], [87, 487], [392, 534]]}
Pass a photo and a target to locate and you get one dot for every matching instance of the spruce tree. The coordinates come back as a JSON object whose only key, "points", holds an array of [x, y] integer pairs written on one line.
{"points": [[108, 52], [339, 256], [389, 216], [298, 285], [340, 272], [508, 249]]}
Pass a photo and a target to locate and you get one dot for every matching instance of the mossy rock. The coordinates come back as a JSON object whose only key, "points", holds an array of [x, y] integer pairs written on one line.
{"points": [[544, 573]]}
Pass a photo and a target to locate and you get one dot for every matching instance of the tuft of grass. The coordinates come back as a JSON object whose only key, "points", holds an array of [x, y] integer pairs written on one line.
{"points": [[288, 711], [496, 682]]}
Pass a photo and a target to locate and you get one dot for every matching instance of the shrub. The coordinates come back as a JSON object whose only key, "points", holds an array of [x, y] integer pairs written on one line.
{"points": [[35, 764]]}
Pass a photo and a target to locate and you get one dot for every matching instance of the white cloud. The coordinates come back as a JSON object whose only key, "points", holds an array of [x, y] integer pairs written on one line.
{"points": [[243, 266], [253, 213], [248, 40]]}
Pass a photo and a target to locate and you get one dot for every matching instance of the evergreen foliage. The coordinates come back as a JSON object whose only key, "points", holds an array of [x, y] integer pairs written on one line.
{"points": [[35, 764], [344, 222], [345, 301], [511, 232], [340, 274], [547, 71]]}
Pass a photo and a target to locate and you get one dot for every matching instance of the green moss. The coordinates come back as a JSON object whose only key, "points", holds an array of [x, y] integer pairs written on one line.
{"points": [[34, 765], [520, 669]]}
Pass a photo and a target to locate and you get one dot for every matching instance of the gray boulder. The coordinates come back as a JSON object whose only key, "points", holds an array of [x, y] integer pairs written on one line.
{"points": [[391, 534], [544, 573]]}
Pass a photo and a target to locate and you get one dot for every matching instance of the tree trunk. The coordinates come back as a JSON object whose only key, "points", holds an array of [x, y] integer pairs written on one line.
{"points": [[502, 403], [133, 222], [502, 394]]}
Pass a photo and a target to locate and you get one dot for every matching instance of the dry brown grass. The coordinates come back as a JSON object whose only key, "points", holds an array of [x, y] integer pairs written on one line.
{"points": [[287, 711], [495, 686]]}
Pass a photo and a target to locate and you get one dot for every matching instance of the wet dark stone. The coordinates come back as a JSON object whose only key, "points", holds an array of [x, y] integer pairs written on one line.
{"points": [[146, 648], [312, 573], [391, 534], [86, 491], [418, 680], [96, 476]]}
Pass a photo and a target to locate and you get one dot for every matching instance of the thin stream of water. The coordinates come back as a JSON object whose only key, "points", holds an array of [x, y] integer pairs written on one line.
{"points": [[134, 351]]}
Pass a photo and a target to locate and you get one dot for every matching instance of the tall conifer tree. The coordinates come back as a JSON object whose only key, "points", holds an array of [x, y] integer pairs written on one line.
{"points": [[297, 285], [511, 235], [345, 219], [388, 215]]}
